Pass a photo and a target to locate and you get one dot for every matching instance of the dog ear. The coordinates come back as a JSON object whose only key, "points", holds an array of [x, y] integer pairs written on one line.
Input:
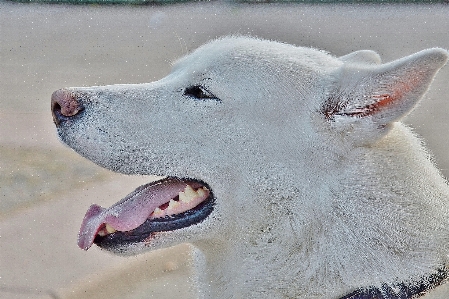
{"points": [[362, 57], [370, 97]]}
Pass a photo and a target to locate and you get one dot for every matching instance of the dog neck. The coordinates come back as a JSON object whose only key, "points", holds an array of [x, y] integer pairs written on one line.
{"points": [[212, 268]]}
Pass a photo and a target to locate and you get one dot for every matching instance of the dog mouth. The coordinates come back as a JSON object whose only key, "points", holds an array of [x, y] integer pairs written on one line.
{"points": [[165, 205]]}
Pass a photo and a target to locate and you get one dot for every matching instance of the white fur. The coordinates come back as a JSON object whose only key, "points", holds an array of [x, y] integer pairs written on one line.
{"points": [[309, 204]]}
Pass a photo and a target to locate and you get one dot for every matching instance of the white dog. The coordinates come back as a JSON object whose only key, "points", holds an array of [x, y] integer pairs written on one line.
{"points": [[287, 170]]}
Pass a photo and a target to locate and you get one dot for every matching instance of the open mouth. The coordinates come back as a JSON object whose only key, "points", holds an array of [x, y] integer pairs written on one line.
{"points": [[165, 205]]}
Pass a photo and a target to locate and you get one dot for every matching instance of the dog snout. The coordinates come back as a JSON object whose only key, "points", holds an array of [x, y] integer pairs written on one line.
{"points": [[64, 105]]}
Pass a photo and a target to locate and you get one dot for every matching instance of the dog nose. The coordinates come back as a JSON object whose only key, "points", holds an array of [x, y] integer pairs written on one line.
{"points": [[64, 104]]}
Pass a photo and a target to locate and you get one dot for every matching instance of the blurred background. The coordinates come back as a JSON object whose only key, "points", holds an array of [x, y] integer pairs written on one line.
{"points": [[45, 188]]}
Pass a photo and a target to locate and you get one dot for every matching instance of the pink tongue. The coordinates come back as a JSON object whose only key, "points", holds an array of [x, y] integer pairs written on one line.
{"points": [[130, 212]]}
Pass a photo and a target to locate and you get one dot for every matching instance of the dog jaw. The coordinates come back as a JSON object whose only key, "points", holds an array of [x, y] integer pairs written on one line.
{"points": [[172, 202]]}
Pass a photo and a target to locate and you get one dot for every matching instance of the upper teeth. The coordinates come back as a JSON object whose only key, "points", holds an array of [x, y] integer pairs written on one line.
{"points": [[188, 199], [202, 192], [188, 194], [173, 204]]}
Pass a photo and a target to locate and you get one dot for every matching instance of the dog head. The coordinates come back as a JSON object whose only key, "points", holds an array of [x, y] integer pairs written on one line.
{"points": [[248, 131]]}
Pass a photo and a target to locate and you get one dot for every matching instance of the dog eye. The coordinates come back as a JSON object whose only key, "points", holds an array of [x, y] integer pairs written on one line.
{"points": [[199, 92]]}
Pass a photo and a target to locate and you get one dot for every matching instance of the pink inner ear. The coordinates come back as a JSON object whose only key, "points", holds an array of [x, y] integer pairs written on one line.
{"points": [[399, 90], [383, 101]]}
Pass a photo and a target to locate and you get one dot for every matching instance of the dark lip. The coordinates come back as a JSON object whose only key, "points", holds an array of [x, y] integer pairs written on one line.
{"points": [[145, 232]]}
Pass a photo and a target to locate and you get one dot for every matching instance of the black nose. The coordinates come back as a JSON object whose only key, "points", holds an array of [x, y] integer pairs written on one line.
{"points": [[64, 104]]}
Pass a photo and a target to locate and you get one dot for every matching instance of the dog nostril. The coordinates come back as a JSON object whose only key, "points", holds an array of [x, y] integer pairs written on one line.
{"points": [[56, 107], [64, 104]]}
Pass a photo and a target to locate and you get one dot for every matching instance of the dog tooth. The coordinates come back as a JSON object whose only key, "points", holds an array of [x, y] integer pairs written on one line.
{"points": [[106, 230], [183, 197], [158, 212], [110, 229], [202, 192], [172, 204], [189, 192]]}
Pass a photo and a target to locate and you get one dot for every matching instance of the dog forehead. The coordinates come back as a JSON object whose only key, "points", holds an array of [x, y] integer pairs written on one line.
{"points": [[217, 54], [253, 52]]}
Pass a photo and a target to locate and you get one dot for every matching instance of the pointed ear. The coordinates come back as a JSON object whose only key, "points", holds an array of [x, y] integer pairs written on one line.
{"points": [[362, 57], [376, 95]]}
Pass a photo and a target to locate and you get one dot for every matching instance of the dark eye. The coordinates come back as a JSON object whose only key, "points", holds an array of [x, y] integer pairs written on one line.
{"points": [[199, 92]]}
